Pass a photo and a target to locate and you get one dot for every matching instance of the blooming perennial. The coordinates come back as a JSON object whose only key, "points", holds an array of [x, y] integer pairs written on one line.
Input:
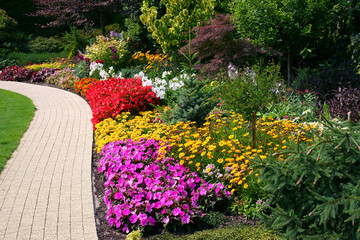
{"points": [[143, 186], [161, 85], [109, 98], [97, 70]]}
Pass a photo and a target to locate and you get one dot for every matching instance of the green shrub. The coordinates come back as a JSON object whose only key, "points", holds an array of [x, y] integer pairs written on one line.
{"points": [[4, 62], [214, 219], [112, 51], [23, 59], [315, 192], [295, 105], [42, 45], [130, 72], [194, 101], [78, 40], [234, 232], [82, 69]]}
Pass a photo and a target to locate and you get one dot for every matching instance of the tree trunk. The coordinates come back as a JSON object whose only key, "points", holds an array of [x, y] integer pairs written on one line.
{"points": [[253, 130], [102, 22], [289, 69]]}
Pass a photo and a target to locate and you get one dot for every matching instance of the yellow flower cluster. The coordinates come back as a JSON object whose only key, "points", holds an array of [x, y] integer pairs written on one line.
{"points": [[55, 65], [152, 61], [222, 141]]}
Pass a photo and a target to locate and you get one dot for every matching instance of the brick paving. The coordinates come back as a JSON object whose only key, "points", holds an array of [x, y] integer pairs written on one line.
{"points": [[46, 186]]}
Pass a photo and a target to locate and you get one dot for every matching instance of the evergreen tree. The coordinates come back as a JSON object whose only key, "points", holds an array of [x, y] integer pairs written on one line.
{"points": [[315, 192], [194, 100]]}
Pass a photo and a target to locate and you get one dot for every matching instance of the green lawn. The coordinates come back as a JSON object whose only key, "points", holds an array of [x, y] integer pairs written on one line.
{"points": [[16, 113]]}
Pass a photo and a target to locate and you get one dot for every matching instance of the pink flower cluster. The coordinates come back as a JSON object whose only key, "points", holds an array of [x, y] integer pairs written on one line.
{"points": [[144, 187]]}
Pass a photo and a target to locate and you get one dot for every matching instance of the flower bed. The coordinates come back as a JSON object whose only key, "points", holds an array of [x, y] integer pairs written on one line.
{"points": [[144, 187], [222, 141], [109, 98], [15, 73]]}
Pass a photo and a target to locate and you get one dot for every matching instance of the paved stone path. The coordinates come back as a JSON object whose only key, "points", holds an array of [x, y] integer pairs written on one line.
{"points": [[46, 186]]}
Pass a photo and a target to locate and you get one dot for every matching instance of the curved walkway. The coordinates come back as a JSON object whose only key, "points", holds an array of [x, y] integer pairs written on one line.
{"points": [[46, 186]]}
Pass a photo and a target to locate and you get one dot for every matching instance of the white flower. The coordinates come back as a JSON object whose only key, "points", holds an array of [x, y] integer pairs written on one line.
{"points": [[306, 111], [164, 74], [160, 85], [103, 74], [232, 71]]}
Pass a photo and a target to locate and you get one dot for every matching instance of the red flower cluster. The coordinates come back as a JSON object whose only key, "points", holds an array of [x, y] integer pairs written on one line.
{"points": [[15, 73], [109, 98]]}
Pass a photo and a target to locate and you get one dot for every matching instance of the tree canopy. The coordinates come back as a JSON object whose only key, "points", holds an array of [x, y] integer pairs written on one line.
{"points": [[294, 27], [77, 12], [181, 16]]}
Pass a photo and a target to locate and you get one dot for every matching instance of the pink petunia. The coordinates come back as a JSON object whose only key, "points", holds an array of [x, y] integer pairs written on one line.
{"points": [[176, 211], [166, 220], [152, 221], [133, 218], [186, 218], [126, 212]]}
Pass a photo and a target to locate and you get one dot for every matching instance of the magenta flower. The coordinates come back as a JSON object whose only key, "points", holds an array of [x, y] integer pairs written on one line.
{"points": [[126, 212], [177, 211], [186, 218], [166, 220], [143, 219], [133, 218], [141, 190], [152, 221]]}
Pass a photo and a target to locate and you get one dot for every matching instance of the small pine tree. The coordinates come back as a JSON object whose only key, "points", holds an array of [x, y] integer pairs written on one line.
{"points": [[315, 193], [194, 100]]}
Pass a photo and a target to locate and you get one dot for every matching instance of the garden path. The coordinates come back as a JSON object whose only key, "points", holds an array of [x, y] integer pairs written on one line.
{"points": [[46, 186]]}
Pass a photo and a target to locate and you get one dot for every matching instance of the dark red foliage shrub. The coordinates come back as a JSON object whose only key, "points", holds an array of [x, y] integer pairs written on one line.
{"points": [[108, 98], [217, 46], [326, 79], [15, 73], [40, 75], [345, 100]]}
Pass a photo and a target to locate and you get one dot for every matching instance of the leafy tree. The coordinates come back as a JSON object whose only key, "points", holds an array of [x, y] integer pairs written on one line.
{"points": [[249, 92], [294, 27], [168, 29], [222, 6], [6, 25], [5, 20], [217, 46], [26, 23], [77, 12]]}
